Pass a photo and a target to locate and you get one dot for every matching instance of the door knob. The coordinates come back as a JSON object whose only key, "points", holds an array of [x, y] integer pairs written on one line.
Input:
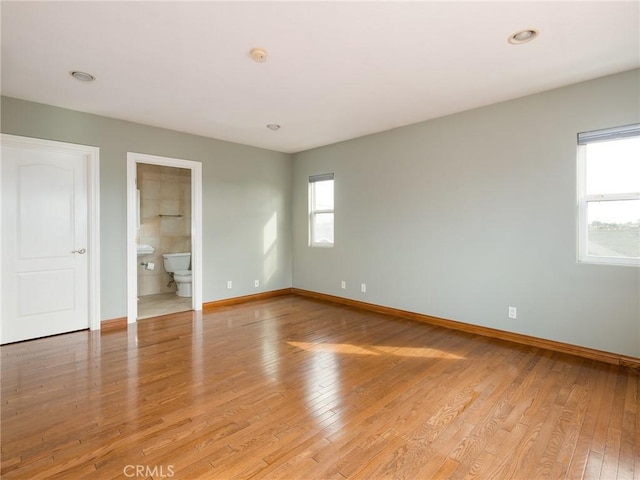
{"points": [[81, 251]]}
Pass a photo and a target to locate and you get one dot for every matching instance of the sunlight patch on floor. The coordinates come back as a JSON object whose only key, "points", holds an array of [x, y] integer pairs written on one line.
{"points": [[347, 348]]}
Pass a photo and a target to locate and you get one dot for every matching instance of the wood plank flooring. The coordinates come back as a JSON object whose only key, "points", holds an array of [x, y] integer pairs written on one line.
{"points": [[294, 388]]}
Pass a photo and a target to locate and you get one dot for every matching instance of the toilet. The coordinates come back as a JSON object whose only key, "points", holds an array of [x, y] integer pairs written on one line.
{"points": [[177, 265]]}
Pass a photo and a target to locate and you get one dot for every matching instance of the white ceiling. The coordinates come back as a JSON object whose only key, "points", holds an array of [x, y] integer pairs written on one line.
{"points": [[335, 70]]}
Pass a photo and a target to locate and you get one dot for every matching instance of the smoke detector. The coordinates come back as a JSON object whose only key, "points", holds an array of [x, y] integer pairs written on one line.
{"points": [[258, 54]]}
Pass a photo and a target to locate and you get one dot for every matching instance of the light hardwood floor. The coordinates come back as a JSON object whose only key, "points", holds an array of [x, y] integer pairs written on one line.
{"points": [[294, 388]]}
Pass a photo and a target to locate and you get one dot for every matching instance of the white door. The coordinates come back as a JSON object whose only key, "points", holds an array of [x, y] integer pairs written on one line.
{"points": [[44, 242]]}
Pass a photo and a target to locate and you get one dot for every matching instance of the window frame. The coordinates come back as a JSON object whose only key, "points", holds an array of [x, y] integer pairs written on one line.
{"points": [[313, 180], [583, 200]]}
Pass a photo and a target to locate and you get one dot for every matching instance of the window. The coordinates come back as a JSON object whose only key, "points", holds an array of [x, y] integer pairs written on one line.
{"points": [[609, 196], [321, 210]]}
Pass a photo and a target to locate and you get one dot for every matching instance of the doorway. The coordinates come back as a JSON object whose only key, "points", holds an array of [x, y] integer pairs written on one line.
{"points": [[164, 216], [50, 238]]}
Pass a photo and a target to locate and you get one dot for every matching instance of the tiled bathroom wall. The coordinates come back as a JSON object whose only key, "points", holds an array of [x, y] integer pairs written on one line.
{"points": [[163, 191]]}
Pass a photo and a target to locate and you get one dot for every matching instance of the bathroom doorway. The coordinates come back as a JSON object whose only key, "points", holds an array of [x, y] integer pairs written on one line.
{"points": [[164, 226], [164, 216]]}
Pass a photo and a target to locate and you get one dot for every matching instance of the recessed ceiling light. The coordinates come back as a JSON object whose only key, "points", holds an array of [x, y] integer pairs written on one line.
{"points": [[523, 36], [273, 126], [82, 76]]}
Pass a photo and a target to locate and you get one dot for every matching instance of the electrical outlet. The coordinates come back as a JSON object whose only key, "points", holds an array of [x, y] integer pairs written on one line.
{"points": [[363, 287], [513, 312], [229, 284], [343, 284], [256, 283]]}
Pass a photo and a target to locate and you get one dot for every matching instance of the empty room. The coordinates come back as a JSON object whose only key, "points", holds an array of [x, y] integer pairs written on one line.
{"points": [[311, 240]]}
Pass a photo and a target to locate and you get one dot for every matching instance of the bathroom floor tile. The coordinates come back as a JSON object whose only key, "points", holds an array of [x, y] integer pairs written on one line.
{"points": [[162, 304]]}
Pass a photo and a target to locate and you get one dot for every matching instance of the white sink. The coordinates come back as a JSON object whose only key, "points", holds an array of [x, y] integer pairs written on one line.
{"points": [[145, 249]]}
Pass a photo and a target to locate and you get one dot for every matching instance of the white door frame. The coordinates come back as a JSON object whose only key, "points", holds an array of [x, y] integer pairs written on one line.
{"points": [[92, 155], [132, 224]]}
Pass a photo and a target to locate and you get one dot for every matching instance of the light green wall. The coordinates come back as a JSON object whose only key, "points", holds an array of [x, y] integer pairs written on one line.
{"points": [[243, 187], [462, 216], [457, 217]]}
